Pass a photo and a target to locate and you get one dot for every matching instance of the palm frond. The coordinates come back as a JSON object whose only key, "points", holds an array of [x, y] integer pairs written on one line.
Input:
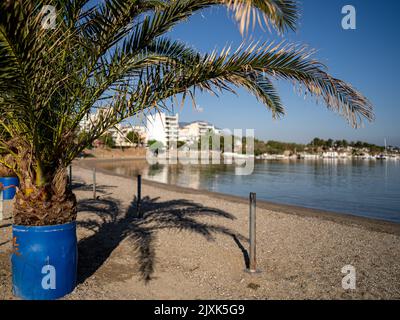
{"points": [[280, 14], [182, 69], [114, 53]]}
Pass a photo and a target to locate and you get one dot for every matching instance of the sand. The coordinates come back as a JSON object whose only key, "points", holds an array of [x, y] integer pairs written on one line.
{"points": [[193, 245]]}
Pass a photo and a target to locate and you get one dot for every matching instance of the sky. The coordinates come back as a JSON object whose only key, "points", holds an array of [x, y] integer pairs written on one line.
{"points": [[366, 57]]}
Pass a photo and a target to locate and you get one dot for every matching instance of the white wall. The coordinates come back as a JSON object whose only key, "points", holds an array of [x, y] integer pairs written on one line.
{"points": [[161, 129], [156, 127]]}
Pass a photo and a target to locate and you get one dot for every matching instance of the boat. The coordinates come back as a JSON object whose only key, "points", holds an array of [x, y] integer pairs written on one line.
{"points": [[382, 156], [237, 155], [330, 155], [308, 156]]}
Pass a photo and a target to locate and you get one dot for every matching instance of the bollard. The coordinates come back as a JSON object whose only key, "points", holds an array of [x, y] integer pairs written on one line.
{"points": [[1, 203], [139, 194], [94, 183], [252, 235], [2, 188], [70, 176]]}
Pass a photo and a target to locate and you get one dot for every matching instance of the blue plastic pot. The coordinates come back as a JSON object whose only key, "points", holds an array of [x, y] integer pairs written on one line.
{"points": [[44, 261], [9, 194]]}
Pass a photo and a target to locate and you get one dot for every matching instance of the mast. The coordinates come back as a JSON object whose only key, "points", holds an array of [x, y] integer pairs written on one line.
{"points": [[385, 147]]}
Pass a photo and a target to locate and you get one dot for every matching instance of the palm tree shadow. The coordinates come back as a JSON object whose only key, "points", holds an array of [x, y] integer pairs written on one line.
{"points": [[110, 228], [102, 190]]}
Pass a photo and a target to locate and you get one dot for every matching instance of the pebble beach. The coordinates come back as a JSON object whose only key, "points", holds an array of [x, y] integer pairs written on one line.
{"points": [[190, 244]]}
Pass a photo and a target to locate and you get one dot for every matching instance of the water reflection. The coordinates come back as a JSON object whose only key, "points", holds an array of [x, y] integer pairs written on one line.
{"points": [[360, 187]]}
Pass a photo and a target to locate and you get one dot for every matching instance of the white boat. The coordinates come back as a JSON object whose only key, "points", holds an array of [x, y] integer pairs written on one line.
{"points": [[330, 155], [309, 156], [237, 155], [382, 156]]}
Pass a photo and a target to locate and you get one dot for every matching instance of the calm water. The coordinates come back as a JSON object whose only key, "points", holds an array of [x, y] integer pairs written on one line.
{"points": [[365, 188]]}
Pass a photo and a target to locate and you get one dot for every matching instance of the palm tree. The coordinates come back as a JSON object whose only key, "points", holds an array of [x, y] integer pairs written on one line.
{"points": [[115, 56], [134, 137]]}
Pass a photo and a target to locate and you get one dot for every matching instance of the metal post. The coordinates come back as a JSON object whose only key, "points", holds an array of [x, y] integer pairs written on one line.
{"points": [[1, 203], [139, 194], [94, 183], [252, 231], [70, 176]]}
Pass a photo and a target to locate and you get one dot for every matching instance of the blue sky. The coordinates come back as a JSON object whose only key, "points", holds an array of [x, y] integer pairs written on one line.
{"points": [[366, 57]]}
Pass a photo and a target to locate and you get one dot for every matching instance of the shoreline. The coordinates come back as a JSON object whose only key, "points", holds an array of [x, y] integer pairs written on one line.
{"points": [[371, 224]]}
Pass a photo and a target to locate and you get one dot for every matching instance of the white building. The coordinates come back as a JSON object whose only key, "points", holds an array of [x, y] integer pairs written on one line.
{"points": [[192, 132], [141, 131], [87, 122], [91, 119], [119, 132], [163, 128]]}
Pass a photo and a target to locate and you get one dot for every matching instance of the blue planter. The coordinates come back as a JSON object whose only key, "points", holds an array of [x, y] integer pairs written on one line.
{"points": [[9, 194], [44, 261]]}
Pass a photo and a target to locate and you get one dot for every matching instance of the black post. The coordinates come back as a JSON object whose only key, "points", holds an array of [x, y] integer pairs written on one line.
{"points": [[94, 183], [139, 194]]}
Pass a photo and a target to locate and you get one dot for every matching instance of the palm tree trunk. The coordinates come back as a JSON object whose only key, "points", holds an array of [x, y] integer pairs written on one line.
{"points": [[44, 203]]}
